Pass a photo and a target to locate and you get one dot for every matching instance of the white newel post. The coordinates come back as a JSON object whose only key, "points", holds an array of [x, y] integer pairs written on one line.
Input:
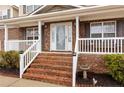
{"points": [[21, 64], [5, 37], [40, 35], [75, 57]]}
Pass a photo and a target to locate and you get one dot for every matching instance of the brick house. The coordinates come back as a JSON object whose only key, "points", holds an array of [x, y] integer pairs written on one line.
{"points": [[56, 39]]}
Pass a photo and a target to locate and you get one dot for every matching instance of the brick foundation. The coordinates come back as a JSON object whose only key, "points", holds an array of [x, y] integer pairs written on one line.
{"points": [[96, 61]]}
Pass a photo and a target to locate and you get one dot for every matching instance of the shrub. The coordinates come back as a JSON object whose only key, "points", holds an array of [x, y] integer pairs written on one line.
{"points": [[10, 59], [2, 62], [115, 64]]}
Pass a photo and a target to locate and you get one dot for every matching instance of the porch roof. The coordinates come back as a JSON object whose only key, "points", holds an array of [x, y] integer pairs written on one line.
{"points": [[114, 11]]}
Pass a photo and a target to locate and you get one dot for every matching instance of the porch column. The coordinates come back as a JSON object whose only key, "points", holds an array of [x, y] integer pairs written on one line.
{"points": [[40, 35], [5, 37], [75, 57], [77, 27]]}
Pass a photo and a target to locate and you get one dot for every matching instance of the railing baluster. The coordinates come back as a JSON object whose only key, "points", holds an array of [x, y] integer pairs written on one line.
{"points": [[96, 46], [85, 46], [82, 46], [121, 47], [105, 45], [108, 45], [93, 45], [114, 45], [99, 45]]}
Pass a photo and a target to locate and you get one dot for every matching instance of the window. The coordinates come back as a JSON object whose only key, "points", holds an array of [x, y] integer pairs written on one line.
{"points": [[4, 14], [32, 33], [103, 29], [31, 8]]}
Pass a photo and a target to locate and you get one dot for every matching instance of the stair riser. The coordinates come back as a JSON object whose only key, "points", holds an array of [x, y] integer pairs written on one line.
{"points": [[55, 58], [55, 68], [69, 75], [58, 55], [52, 63], [44, 79]]}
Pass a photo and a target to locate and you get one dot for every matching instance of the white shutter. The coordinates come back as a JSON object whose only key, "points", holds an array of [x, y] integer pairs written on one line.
{"points": [[53, 37]]}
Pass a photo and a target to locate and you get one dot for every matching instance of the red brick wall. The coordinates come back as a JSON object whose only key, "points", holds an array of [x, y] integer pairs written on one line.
{"points": [[95, 60], [15, 34], [2, 38]]}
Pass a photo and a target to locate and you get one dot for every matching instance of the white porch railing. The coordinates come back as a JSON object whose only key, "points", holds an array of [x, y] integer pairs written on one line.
{"points": [[101, 45], [19, 45], [28, 56]]}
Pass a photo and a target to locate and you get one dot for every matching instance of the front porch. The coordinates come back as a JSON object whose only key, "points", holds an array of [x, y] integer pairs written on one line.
{"points": [[71, 33]]}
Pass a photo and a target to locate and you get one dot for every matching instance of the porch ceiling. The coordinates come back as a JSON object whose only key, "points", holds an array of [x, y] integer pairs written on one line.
{"points": [[92, 13]]}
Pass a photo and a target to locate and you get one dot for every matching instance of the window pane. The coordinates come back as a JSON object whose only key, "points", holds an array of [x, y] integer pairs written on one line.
{"points": [[36, 6], [96, 28], [109, 34], [98, 35], [109, 27], [29, 8]]}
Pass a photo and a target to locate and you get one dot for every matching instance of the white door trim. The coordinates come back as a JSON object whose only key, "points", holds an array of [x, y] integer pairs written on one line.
{"points": [[54, 24]]}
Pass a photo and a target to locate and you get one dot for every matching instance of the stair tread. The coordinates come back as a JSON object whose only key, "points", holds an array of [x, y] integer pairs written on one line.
{"points": [[55, 79], [48, 70], [51, 63], [48, 60]]}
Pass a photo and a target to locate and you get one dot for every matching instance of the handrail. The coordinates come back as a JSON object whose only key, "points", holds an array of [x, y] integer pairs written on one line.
{"points": [[28, 56], [30, 48]]}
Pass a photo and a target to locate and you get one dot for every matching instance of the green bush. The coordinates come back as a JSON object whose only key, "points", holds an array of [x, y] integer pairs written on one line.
{"points": [[10, 59], [115, 64]]}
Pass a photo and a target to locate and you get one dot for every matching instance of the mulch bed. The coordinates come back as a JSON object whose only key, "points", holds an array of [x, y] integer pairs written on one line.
{"points": [[104, 80], [9, 72]]}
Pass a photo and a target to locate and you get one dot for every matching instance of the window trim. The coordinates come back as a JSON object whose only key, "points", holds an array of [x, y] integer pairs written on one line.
{"points": [[33, 6], [102, 22], [33, 36]]}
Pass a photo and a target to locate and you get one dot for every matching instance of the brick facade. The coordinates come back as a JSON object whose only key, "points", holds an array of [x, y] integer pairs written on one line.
{"points": [[2, 38], [13, 34], [95, 60]]}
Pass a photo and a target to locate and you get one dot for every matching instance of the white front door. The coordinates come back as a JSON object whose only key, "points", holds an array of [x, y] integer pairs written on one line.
{"points": [[61, 36]]}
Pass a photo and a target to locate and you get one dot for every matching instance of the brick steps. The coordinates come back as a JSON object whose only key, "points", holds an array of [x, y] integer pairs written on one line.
{"points": [[51, 68], [47, 66], [50, 79], [55, 54], [60, 58], [56, 62], [50, 72]]}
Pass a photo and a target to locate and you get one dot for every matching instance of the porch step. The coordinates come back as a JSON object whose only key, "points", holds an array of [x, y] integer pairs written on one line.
{"points": [[52, 68], [50, 72], [51, 79], [56, 62], [58, 58]]}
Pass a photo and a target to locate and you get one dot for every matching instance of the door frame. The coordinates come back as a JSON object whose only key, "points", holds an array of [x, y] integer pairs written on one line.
{"points": [[67, 42]]}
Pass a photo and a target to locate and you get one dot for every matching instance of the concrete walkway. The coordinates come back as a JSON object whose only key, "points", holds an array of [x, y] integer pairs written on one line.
{"points": [[17, 82]]}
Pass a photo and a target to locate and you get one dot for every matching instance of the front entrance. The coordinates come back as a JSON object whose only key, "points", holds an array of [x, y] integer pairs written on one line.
{"points": [[61, 36]]}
